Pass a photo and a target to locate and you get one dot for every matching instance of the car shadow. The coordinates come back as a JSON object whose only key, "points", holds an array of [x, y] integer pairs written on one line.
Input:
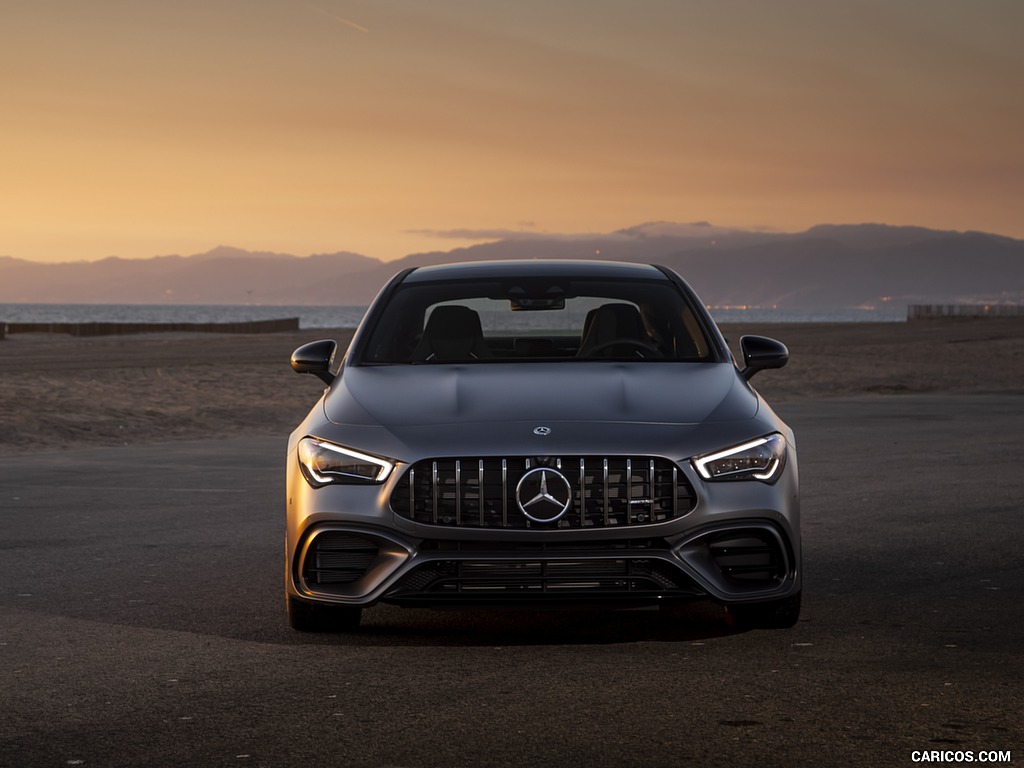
{"points": [[389, 626]]}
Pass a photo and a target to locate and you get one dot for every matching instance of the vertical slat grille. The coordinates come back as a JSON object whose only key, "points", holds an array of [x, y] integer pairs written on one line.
{"points": [[605, 491]]}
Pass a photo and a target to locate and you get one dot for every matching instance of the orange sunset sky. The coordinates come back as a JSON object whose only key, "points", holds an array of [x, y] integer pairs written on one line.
{"points": [[144, 127]]}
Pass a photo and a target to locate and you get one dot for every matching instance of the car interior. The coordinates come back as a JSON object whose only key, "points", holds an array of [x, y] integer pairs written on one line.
{"points": [[485, 327]]}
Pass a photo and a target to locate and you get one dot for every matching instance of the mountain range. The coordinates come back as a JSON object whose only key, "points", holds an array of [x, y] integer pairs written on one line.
{"points": [[825, 267]]}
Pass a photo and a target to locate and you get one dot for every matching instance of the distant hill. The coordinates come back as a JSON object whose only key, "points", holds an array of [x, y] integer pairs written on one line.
{"points": [[825, 267]]}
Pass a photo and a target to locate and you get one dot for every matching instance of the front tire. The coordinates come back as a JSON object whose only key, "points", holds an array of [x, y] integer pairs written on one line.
{"points": [[778, 614], [312, 617]]}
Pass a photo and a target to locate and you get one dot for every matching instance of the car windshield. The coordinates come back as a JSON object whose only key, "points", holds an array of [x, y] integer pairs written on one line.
{"points": [[487, 321]]}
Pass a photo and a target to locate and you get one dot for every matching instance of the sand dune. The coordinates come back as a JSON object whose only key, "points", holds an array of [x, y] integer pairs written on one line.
{"points": [[58, 391]]}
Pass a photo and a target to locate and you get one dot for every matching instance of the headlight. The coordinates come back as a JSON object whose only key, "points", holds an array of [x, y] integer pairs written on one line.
{"points": [[324, 463], [760, 459]]}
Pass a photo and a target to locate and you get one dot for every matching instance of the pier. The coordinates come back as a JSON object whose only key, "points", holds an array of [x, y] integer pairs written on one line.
{"points": [[115, 329], [948, 311]]}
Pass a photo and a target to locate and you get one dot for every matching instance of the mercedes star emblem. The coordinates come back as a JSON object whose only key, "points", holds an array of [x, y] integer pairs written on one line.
{"points": [[543, 494], [542, 431]]}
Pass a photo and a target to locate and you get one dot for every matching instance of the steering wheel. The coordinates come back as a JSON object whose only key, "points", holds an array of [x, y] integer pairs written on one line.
{"points": [[638, 345]]}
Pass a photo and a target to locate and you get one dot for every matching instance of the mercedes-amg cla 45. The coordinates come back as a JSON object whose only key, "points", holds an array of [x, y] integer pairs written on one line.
{"points": [[540, 433]]}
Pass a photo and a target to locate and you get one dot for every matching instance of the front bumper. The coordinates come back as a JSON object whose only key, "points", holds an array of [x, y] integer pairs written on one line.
{"points": [[746, 560], [739, 543]]}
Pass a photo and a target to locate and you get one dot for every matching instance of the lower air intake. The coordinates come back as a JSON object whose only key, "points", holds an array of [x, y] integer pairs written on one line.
{"points": [[338, 558], [509, 579], [749, 557]]}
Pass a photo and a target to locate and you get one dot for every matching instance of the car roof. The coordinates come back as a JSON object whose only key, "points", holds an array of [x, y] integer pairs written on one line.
{"points": [[534, 268]]}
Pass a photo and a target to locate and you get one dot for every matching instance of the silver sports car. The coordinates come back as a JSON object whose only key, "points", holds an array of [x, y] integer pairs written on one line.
{"points": [[540, 433]]}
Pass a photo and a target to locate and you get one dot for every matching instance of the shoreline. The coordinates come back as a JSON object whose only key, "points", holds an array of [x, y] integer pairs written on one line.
{"points": [[64, 392]]}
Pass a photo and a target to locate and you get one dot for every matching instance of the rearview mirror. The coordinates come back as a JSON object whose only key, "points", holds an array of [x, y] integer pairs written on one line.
{"points": [[316, 358], [759, 353]]}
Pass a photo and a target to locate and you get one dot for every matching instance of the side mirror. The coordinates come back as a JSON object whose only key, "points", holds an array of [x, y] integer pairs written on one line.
{"points": [[759, 353], [316, 358]]}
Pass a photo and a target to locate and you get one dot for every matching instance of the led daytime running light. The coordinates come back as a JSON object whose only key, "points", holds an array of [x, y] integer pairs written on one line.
{"points": [[771, 462], [324, 463]]}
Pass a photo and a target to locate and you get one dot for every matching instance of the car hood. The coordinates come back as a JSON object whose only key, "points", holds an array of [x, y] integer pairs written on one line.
{"points": [[479, 394]]}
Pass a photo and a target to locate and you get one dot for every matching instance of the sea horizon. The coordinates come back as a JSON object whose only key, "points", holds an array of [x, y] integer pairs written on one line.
{"points": [[316, 316]]}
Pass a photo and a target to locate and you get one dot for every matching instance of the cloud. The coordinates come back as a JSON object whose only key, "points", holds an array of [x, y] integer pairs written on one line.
{"points": [[490, 234], [699, 230], [347, 22]]}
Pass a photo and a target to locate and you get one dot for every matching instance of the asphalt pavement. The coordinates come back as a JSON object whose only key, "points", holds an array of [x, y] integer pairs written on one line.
{"points": [[142, 623]]}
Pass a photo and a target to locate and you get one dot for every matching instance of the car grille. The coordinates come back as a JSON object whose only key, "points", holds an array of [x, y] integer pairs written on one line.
{"points": [[603, 492], [338, 558]]}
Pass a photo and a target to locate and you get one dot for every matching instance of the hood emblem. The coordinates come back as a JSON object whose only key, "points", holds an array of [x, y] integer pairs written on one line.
{"points": [[543, 495], [542, 431]]}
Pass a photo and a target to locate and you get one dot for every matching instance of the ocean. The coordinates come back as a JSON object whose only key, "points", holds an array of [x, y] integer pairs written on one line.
{"points": [[348, 317]]}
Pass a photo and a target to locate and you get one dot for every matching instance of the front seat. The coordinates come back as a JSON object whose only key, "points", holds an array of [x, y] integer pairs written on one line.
{"points": [[453, 333], [613, 322]]}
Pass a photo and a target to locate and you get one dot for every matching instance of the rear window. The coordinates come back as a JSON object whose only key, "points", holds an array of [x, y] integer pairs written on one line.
{"points": [[538, 319]]}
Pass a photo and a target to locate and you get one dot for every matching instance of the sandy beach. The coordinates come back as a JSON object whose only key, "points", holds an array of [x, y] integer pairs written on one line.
{"points": [[59, 392], [143, 622]]}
